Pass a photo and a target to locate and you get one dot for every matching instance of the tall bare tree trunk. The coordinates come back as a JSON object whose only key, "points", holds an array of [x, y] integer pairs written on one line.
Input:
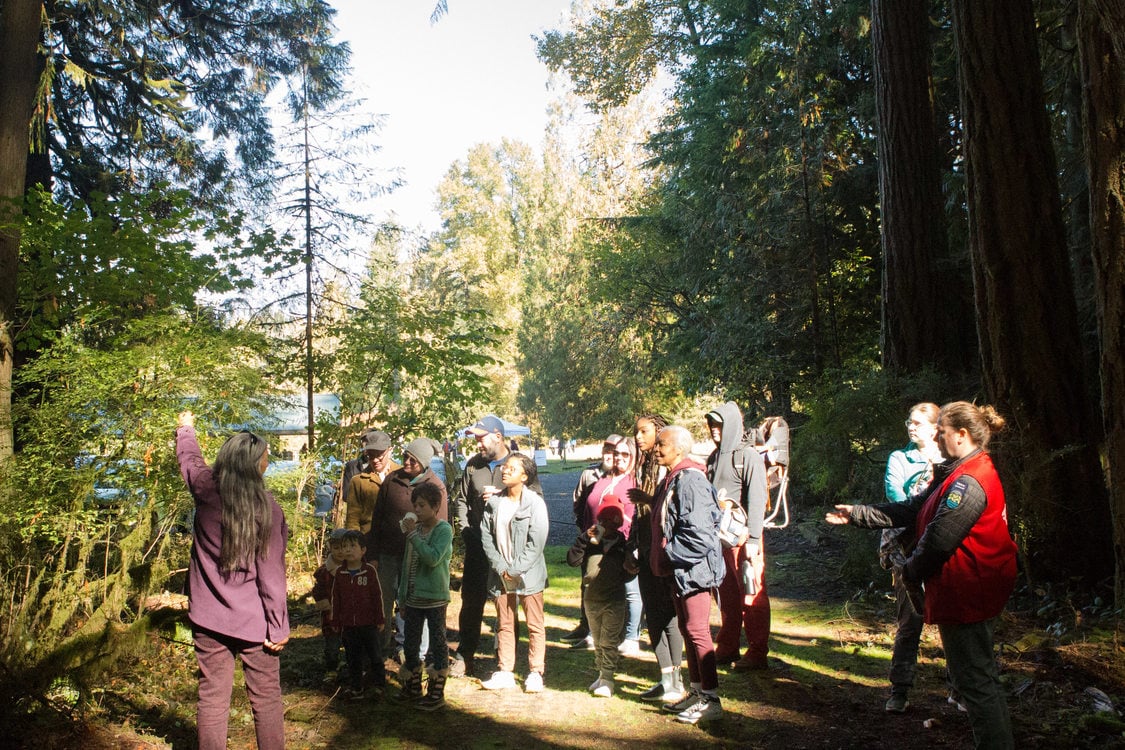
{"points": [[1102, 53], [918, 328], [1026, 311], [19, 39]]}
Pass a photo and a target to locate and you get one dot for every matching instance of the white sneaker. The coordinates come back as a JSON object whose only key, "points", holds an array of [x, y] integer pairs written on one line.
{"points": [[594, 685], [630, 647], [604, 689], [533, 683], [499, 681], [707, 708]]}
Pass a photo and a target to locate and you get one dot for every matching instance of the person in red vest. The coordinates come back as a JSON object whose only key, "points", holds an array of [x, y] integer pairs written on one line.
{"points": [[964, 557]]}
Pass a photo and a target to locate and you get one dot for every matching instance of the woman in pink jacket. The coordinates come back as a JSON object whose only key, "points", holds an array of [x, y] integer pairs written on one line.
{"points": [[236, 583]]}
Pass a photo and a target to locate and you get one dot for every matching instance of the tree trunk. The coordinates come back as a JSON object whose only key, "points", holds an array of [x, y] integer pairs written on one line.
{"points": [[19, 39], [1026, 312], [1102, 55], [918, 329]]}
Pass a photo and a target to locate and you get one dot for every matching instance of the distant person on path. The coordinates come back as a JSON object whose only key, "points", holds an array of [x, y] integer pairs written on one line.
{"points": [[601, 552], [514, 530], [909, 472], [386, 541], [480, 481], [236, 583], [656, 591], [424, 591], [357, 602], [686, 550], [738, 473], [363, 490], [964, 556], [580, 636]]}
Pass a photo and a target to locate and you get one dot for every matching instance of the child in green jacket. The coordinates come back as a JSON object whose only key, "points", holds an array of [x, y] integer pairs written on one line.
{"points": [[424, 591]]}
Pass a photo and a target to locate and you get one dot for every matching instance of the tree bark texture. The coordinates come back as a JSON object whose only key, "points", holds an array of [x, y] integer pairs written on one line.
{"points": [[19, 38], [918, 330], [1026, 311], [1102, 55]]}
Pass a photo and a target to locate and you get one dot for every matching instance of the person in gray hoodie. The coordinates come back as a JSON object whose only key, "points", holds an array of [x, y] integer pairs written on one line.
{"points": [[738, 474]]}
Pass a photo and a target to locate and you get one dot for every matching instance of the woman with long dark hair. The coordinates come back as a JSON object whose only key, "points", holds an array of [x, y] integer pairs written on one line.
{"points": [[656, 593], [236, 583]]}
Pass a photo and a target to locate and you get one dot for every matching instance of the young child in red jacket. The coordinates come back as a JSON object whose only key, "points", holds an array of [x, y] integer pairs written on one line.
{"points": [[357, 604]]}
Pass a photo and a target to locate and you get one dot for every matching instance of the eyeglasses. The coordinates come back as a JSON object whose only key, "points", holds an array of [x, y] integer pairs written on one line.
{"points": [[623, 454]]}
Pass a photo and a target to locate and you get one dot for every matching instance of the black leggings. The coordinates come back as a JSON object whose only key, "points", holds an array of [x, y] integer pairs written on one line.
{"points": [[660, 613]]}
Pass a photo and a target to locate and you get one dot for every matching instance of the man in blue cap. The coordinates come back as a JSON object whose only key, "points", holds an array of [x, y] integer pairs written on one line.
{"points": [[479, 482]]}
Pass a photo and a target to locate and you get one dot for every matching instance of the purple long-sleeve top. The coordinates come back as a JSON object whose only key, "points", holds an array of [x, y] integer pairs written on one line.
{"points": [[248, 604]]}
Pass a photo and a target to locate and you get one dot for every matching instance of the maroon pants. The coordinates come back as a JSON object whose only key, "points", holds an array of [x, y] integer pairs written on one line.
{"points": [[742, 611], [694, 613], [262, 672]]}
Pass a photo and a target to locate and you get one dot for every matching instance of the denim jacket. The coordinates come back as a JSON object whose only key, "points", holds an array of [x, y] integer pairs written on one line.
{"points": [[530, 525]]}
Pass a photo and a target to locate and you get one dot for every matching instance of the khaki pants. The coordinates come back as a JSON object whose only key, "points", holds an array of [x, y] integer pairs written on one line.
{"points": [[507, 622]]}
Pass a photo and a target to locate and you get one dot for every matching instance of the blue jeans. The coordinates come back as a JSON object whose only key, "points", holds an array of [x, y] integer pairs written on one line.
{"points": [[633, 620], [390, 570]]}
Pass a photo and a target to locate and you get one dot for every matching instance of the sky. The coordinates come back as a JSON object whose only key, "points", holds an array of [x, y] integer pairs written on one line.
{"points": [[471, 78]]}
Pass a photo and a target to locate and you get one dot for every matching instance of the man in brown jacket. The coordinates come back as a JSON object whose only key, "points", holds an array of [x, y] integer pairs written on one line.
{"points": [[364, 488]]}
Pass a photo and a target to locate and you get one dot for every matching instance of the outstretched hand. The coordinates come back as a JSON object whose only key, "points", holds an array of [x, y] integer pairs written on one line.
{"points": [[839, 517], [185, 419]]}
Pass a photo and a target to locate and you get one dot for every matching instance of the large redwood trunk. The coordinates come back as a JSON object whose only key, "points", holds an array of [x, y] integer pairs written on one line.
{"points": [[918, 328], [19, 38], [1101, 26], [1026, 311]]}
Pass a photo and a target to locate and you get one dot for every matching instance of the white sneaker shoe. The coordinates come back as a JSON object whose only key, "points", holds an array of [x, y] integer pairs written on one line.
{"points": [[707, 708], [630, 647], [533, 683], [499, 681], [604, 689], [594, 685]]}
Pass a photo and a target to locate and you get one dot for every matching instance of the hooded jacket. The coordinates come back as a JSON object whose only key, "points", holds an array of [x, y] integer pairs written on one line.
{"points": [[737, 470], [685, 531]]}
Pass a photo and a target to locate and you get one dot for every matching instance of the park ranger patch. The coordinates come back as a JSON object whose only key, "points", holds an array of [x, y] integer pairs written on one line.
{"points": [[956, 492]]}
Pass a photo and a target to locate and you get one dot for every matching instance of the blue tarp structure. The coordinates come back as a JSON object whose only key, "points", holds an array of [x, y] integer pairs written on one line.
{"points": [[509, 429], [293, 417]]}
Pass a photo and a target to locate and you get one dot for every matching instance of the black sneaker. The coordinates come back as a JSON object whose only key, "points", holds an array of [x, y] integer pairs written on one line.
{"points": [[896, 704], [654, 693], [690, 699], [576, 635]]}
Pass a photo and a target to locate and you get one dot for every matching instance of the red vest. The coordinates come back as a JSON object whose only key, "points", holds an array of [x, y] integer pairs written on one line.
{"points": [[975, 583]]}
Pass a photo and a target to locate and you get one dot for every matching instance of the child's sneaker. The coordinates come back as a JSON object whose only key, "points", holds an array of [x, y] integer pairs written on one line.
{"points": [[533, 683], [354, 694], [499, 681], [629, 647]]}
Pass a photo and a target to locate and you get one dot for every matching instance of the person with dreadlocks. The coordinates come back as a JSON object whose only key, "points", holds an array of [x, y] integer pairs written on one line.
{"points": [[237, 599], [656, 592]]}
